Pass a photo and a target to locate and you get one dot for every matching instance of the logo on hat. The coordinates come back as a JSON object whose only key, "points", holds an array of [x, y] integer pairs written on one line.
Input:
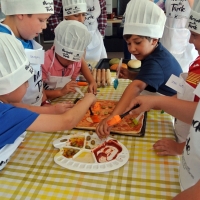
{"points": [[48, 6], [76, 57], [76, 9], [193, 23], [66, 53], [68, 11]]}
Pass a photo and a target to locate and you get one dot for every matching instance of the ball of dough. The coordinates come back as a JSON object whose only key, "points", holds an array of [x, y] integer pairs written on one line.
{"points": [[114, 61], [115, 66], [134, 64]]}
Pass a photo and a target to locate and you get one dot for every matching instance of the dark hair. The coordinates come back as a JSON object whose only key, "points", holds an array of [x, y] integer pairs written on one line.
{"points": [[29, 15], [128, 36]]}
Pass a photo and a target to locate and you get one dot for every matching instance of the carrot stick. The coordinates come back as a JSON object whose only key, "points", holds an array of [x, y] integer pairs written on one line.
{"points": [[82, 83]]}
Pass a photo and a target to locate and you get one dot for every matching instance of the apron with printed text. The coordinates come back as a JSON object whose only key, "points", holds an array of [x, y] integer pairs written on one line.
{"points": [[55, 82], [95, 50], [176, 37], [35, 56], [181, 128], [190, 162], [34, 92]]}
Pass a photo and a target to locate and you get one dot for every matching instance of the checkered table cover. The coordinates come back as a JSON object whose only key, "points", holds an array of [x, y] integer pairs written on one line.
{"points": [[33, 174]]}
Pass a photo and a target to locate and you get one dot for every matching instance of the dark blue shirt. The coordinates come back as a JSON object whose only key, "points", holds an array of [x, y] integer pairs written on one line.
{"points": [[13, 122], [157, 68], [26, 43]]}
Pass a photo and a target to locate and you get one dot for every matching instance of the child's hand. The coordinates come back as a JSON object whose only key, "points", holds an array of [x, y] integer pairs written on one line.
{"points": [[124, 73], [69, 87], [60, 108], [92, 88], [103, 130], [168, 147], [146, 103]]}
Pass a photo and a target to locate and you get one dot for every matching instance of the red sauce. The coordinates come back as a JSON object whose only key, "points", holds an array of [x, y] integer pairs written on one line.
{"points": [[107, 151]]}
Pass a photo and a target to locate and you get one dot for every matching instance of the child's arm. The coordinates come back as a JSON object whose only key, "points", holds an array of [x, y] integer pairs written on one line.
{"points": [[58, 108], [126, 74], [191, 193], [88, 76], [133, 90], [66, 121], [168, 147], [69, 87], [180, 109]]}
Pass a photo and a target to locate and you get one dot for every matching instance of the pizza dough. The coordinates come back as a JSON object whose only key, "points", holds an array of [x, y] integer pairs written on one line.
{"points": [[126, 126], [134, 64]]}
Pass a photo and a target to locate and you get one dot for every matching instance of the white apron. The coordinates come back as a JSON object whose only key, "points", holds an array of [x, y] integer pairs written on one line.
{"points": [[34, 92], [7, 151], [176, 37], [55, 82], [190, 162], [96, 49], [181, 128]]}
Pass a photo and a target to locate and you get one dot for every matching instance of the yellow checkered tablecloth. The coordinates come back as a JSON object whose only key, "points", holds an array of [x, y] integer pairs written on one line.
{"points": [[33, 174]]}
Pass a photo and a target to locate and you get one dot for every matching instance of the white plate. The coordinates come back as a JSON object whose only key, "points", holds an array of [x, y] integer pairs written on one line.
{"points": [[91, 164]]}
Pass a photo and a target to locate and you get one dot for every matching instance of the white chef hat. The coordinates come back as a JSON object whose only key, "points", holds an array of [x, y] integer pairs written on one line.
{"points": [[71, 39], [193, 22], [15, 68], [71, 7], [145, 18], [13, 7]]}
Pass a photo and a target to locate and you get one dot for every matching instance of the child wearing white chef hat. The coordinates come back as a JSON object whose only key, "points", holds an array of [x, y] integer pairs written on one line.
{"points": [[190, 81], [144, 25], [74, 10], [15, 71], [25, 19], [63, 61]]}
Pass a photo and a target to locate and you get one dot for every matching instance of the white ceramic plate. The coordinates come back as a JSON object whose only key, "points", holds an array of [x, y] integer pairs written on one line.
{"points": [[86, 155]]}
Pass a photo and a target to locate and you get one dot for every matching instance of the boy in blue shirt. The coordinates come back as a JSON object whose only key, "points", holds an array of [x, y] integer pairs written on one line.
{"points": [[25, 20], [144, 25], [15, 71]]}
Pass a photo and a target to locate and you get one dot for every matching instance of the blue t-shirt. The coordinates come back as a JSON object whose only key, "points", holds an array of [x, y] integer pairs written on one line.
{"points": [[157, 68], [26, 43], [13, 122]]}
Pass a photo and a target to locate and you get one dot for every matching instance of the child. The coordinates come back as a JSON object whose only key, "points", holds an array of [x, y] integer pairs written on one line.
{"points": [[27, 22], [96, 49], [57, 17], [190, 162], [176, 36], [76, 10], [15, 71], [144, 24], [63, 61], [192, 79]]}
